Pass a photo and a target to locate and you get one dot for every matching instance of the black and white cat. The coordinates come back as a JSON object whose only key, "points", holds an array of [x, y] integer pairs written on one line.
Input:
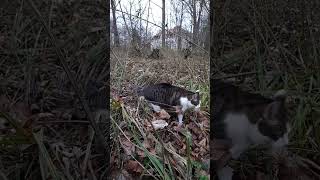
{"points": [[246, 119], [164, 95]]}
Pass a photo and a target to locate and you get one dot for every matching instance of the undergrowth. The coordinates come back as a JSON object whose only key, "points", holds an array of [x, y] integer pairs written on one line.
{"points": [[267, 46]]}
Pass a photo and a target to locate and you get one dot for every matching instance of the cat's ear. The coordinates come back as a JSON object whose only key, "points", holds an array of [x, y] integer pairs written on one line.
{"points": [[196, 95], [272, 110], [276, 106]]}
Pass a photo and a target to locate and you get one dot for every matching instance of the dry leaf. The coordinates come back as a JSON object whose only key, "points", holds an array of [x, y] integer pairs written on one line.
{"points": [[141, 153], [128, 147], [163, 114], [159, 124], [196, 130], [205, 123], [203, 142], [133, 166], [146, 144], [153, 151], [118, 174]]}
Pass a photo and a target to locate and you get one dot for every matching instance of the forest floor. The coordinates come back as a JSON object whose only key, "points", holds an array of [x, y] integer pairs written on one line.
{"points": [[44, 131], [140, 150]]}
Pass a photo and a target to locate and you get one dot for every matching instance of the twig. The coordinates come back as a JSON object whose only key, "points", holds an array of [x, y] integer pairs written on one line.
{"points": [[88, 151], [91, 171]]}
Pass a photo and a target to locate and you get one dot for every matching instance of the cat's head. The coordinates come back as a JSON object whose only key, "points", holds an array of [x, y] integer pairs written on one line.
{"points": [[195, 100], [275, 123]]}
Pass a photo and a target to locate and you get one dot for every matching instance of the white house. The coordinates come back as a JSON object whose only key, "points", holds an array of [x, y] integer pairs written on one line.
{"points": [[172, 36]]}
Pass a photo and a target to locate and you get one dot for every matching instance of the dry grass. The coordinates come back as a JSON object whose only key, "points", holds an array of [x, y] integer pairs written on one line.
{"points": [[45, 132]]}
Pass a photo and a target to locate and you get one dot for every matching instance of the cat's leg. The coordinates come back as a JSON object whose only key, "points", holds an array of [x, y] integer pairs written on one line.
{"points": [[179, 111], [238, 148], [180, 119], [225, 173]]}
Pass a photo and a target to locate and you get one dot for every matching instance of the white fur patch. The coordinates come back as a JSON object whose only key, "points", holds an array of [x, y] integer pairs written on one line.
{"points": [[156, 108], [242, 133], [185, 103], [180, 118]]}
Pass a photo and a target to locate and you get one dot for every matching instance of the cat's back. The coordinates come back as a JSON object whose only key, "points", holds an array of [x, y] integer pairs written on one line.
{"points": [[229, 94], [156, 88], [230, 100], [161, 92]]}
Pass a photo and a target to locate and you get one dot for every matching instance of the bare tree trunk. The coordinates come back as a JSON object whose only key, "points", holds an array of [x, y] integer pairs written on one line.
{"points": [[140, 22], [196, 21], [147, 20], [124, 20], [116, 39], [163, 24], [180, 29]]}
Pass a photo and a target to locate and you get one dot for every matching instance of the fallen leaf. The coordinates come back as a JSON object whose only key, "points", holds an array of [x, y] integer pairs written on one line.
{"points": [[196, 130], [128, 147], [153, 151], [133, 166], [195, 154], [159, 124], [118, 174], [205, 123], [141, 153], [163, 114], [203, 142], [146, 143]]}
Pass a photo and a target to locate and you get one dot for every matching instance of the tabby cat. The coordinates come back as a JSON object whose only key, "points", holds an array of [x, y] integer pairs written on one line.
{"points": [[165, 95], [245, 119]]}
